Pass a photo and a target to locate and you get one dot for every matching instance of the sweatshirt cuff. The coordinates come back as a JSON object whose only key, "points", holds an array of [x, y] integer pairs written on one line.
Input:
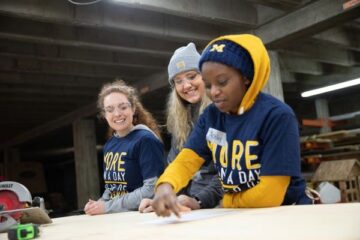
{"points": [[227, 201]]}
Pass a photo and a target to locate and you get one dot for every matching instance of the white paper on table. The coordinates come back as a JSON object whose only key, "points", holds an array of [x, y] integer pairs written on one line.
{"points": [[190, 216]]}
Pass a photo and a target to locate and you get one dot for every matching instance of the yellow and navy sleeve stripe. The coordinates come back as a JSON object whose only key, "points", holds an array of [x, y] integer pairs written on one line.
{"points": [[270, 192]]}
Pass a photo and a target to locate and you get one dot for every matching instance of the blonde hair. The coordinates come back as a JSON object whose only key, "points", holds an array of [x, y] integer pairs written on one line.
{"points": [[179, 121], [141, 115]]}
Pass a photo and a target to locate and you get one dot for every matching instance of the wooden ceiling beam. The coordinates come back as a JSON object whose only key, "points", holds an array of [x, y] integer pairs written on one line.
{"points": [[237, 12], [306, 21], [109, 15], [149, 84]]}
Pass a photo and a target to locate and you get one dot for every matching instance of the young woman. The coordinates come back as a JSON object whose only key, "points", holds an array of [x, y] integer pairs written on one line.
{"points": [[133, 156], [252, 137], [187, 100]]}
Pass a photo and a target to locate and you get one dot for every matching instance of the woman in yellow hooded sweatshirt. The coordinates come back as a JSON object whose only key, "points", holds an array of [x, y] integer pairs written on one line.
{"points": [[251, 137]]}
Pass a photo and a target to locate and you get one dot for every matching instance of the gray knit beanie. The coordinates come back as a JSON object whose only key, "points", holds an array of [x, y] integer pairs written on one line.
{"points": [[184, 59]]}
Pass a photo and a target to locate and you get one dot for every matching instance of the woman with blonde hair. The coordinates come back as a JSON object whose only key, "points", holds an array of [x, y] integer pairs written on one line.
{"points": [[133, 155], [186, 102]]}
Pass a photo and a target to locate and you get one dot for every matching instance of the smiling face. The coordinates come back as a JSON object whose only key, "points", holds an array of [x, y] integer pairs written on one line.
{"points": [[119, 113], [224, 85], [189, 86]]}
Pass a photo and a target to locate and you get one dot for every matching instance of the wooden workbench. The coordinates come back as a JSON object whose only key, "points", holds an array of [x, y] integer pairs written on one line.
{"points": [[334, 221]]}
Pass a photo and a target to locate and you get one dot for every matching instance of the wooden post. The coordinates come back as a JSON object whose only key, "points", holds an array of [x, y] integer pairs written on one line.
{"points": [[322, 112], [6, 164], [11, 160], [343, 190], [86, 164], [274, 85]]}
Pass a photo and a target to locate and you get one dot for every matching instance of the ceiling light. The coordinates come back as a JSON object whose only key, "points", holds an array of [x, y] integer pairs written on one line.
{"points": [[331, 88]]}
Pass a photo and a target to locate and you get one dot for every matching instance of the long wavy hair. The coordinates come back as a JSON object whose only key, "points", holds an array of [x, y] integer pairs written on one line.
{"points": [[141, 115], [179, 121]]}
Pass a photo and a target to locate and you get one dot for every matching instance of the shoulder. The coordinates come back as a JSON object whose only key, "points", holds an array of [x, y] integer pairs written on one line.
{"points": [[144, 135], [274, 106], [110, 142], [211, 108], [276, 114], [146, 144], [207, 116], [210, 111]]}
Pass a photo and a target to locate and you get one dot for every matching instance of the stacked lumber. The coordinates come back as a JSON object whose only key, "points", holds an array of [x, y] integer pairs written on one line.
{"points": [[333, 146]]}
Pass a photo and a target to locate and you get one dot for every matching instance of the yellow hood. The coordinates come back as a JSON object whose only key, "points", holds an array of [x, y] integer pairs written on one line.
{"points": [[261, 61]]}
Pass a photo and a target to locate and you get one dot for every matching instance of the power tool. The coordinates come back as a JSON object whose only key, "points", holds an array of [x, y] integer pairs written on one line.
{"points": [[16, 205]]}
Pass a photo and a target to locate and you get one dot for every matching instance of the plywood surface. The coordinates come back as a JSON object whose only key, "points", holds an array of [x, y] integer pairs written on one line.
{"points": [[334, 221]]}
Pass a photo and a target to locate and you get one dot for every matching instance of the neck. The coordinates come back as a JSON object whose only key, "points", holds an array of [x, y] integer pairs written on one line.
{"points": [[194, 109], [124, 132]]}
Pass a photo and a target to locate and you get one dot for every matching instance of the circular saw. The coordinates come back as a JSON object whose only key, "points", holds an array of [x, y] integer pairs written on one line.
{"points": [[13, 196]]}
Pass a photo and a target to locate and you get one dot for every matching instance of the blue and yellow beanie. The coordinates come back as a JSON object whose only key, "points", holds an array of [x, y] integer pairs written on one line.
{"points": [[231, 54]]}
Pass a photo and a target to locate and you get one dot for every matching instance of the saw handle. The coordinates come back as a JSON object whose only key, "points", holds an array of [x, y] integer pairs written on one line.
{"points": [[39, 202]]}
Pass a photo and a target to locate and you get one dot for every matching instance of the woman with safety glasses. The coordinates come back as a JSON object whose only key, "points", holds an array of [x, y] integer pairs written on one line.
{"points": [[133, 155]]}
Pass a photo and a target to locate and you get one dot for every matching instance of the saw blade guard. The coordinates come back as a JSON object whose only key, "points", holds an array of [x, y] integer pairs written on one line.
{"points": [[13, 196], [20, 190]]}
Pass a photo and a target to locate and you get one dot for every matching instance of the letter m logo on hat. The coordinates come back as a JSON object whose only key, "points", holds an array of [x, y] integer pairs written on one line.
{"points": [[217, 48], [180, 65]]}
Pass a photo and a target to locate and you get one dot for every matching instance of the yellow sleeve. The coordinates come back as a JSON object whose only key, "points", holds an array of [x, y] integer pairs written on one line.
{"points": [[270, 192], [182, 169]]}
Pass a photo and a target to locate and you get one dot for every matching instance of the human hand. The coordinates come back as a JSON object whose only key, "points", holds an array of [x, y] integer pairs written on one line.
{"points": [[188, 203], [88, 204], [145, 206], [94, 207], [165, 201]]}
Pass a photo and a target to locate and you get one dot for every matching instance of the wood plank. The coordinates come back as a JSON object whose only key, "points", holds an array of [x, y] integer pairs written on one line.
{"points": [[324, 221], [317, 158]]}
